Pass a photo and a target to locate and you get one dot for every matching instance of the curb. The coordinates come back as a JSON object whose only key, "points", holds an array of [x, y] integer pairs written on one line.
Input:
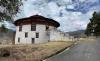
{"points": [[58, 52]]}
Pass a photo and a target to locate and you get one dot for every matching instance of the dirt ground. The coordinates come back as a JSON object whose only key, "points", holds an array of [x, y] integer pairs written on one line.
{"points": [[35, 52]]}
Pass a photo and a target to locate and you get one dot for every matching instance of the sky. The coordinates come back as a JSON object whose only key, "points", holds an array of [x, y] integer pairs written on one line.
{"points": [[71, 14]]}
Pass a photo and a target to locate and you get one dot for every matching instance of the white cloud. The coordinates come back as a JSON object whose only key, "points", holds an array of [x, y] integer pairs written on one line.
{"points": [[9, 25], [82, 0], [70, 6], [74, 20], [53, 8], [69, 20]]}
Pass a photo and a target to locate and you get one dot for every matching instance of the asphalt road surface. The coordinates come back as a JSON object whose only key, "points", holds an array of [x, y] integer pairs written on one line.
{"points": [[83, 51]]}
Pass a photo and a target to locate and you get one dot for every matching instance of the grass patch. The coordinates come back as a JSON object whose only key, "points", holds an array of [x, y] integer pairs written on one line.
{"points": [[35, 52]]}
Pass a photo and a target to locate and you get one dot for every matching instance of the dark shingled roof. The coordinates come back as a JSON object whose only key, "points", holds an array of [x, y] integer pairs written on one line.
{"points": [[38, 20]]}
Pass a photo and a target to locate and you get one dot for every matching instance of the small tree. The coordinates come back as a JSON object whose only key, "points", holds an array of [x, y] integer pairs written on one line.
{"points": [[3, 28]]}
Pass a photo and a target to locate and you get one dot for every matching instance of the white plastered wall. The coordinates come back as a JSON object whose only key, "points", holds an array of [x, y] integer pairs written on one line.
{"points": [[43, 34], [56, 35]]}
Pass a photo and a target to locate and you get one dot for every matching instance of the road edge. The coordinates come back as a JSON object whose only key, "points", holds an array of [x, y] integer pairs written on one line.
{"points": [[60, 51]]}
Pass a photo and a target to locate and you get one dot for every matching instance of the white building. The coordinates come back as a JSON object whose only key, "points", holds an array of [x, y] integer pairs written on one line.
{"points": [[38, 29], [34, 29]]}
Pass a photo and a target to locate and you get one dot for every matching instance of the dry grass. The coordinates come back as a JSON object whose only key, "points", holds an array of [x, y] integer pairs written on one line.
{"points": [[88, 40], [35, 52]]}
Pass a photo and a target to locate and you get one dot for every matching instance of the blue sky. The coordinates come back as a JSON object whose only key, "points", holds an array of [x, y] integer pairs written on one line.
{"points": [[71, 14]]}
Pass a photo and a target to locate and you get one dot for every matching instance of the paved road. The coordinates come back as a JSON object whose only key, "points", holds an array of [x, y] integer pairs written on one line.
{"points": [[84, 51]]}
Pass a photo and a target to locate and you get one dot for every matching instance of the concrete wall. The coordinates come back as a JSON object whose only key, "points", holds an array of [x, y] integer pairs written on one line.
{"points": [[7, 37], [43, 34], [56, 35]]}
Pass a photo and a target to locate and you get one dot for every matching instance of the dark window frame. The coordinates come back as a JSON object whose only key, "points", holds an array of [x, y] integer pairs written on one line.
{"points": [[47, 27], [18, 40], [37, 35], [26, 34], [20, 28], [33, 27], [33, 40]]}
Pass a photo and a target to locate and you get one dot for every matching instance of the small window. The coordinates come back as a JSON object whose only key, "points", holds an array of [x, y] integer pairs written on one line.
{"points": [[33, 27], [33, 40], [26, 34], [20, 28], [19, 40], [47, 27], [37, 35]]}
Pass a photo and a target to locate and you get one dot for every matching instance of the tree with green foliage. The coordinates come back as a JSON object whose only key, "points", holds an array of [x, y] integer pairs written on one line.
{"points": [[3, 29], [93, 27], [9, 8], [88, 30]]}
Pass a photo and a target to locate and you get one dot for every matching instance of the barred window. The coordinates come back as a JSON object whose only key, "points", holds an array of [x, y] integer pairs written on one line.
{"points": [[33, 27], [37, 35]]}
